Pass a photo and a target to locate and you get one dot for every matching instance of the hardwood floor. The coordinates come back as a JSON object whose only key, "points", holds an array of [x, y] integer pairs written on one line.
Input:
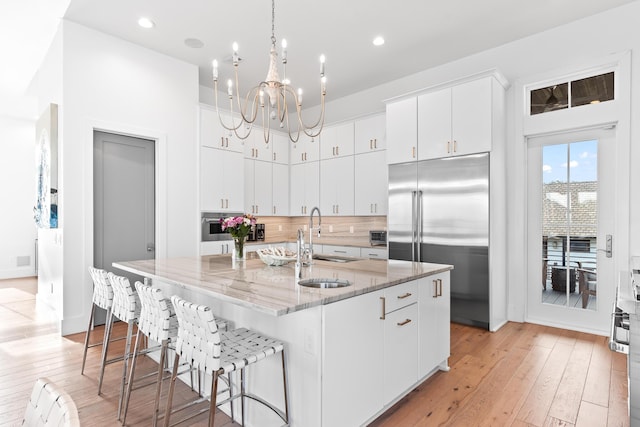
{"points": [[522, 375]]}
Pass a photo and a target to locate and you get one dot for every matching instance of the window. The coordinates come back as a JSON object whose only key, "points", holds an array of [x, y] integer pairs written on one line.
{"points": [[564, 95]]}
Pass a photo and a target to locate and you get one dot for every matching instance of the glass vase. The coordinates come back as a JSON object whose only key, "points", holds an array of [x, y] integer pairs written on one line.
{"points": [[238, 248]]}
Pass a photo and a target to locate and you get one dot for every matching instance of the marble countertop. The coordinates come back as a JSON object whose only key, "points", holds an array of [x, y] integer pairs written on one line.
{"points": [[273, 289]]}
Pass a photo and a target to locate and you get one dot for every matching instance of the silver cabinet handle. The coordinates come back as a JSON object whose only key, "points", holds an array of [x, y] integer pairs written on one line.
{"points": [[454, 145], [448, 146], [384, 309], [439, 287], [405, 322], [435, 288]]}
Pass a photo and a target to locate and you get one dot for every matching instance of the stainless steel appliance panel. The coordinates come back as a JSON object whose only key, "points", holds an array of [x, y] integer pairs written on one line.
{"points": [[211, 229], [403, 181], [455, 200]]}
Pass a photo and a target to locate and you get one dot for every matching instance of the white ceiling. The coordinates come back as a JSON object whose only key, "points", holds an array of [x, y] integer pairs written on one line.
{"points": [[419, 33]]}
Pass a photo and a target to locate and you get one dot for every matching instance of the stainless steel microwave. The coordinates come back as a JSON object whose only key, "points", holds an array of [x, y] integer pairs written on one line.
{"points": [[212, 228]]}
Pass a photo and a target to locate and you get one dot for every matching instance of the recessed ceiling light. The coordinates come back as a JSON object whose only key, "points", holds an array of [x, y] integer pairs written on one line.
{"points": [[146, 23], [194, 43], [378, 41]]}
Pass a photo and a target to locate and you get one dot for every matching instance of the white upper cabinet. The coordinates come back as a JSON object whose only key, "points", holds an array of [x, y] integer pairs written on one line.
{"points": [[370, 134], [455, 121], [221, 180], [336, 186], [280, 148], [402, 131], [214, 135], [305, 150], [258, 187], [336, 141], [371, 183], [305, 186], [255, 147], [280, 189]]}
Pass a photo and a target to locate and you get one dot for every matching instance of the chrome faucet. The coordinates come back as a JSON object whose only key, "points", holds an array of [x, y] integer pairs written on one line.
{"points": [[299, 253], [315, 209]]}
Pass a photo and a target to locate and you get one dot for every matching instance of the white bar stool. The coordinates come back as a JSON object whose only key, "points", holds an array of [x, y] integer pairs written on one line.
{"points": [[202, 346], [103, 298], [126, 308], [50, 405]]}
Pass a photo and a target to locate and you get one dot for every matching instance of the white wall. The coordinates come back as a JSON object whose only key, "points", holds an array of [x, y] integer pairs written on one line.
{"points": [[116, 86], [17, 194], [570, 46]]}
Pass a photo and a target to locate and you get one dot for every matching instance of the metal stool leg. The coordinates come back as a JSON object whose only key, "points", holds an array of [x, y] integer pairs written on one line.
{"points": [[285, 386], [125, 365], [105, 347], [172, 386], [86, 337], [131, 374]]}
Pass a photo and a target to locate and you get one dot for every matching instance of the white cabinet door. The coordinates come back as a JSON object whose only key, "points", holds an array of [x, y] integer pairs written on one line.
{"points": [[434, 322], [402, 131], [221, 180], [280, 189], [255, 147], [371, 183], [471, 116], [455, 121], [249, 186], [336, 141], [352, 366], [305, 150], [214, 135], [216, 248], [263, 181], [434, 124], [400, 351], [280, 148], [370, 134], [336, 186], [305, 192]]}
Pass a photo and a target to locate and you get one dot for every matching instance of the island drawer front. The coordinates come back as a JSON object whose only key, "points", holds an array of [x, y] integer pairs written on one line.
{"points": [[400, 296]]}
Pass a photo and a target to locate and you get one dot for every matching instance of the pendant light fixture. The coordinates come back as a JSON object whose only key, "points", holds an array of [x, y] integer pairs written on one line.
{"points": [[270, 99]]}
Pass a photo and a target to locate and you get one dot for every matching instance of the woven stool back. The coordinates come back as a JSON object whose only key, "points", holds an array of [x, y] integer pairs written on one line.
{"points": [[125, 305], [49, 405], [155, 313], [198, 337], [102, 290]]}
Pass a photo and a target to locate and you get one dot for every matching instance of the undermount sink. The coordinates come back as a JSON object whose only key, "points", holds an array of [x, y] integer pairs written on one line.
{"points": [[333, 258], [324, 283]]}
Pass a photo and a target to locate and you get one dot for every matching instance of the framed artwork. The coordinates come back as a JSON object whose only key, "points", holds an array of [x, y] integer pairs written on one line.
{"points": [[46, 206]]}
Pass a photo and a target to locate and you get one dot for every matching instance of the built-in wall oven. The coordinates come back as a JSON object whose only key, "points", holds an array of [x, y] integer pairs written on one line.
{"points": [[212, 228]]}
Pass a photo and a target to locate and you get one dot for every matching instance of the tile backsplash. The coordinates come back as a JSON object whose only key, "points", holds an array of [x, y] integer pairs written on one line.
{"points": [[338, 230]]}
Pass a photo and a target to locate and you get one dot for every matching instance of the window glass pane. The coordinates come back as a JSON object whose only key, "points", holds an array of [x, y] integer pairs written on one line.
{"points": [[592, 90], [550, 98]]}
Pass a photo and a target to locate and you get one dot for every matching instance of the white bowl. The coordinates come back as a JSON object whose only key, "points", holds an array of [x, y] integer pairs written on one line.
{"points": [[275, 259]]}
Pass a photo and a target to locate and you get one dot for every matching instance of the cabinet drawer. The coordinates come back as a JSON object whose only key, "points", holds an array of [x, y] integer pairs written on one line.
{"points": [[400, 296], [373, 253], [341, 250]]}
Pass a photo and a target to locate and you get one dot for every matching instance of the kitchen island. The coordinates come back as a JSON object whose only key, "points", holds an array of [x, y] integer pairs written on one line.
{"points": [[351, 352]]}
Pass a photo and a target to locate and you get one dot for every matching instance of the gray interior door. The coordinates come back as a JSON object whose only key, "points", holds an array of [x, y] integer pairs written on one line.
{"points": [[124, 200]]}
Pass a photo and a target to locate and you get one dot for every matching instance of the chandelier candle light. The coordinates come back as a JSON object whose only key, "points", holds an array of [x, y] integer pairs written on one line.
{"points": [[272, 97]]}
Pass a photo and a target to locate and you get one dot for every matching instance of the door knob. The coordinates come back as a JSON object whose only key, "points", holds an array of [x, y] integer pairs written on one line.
{"points": [[151, 247]]}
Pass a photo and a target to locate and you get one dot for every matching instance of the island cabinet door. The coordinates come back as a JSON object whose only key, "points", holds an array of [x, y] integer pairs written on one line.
{"points": [[352, 360], [434, 323], [400, 351]]}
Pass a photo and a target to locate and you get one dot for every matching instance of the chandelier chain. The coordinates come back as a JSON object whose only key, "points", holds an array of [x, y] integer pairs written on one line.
{"points": [[273, 22]]}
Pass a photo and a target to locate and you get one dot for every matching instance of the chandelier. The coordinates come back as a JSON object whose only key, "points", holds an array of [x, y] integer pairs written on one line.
{"points": [[269, 99]]}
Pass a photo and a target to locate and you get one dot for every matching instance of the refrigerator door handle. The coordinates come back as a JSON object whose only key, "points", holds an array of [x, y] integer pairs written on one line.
{"points": [[419, 225], [414, 198]]}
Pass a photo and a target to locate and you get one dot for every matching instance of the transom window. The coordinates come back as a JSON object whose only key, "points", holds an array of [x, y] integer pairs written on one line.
{"points": [[573, 93]]}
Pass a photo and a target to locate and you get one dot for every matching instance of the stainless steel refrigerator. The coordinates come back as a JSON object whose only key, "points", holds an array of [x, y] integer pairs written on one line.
{"points": [[439, 212]]}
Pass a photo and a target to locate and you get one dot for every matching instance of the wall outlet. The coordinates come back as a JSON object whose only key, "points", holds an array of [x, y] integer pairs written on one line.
{"points": [[309, 345], [351, 229], [279, 227], [331, 229], [304, 227]]}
